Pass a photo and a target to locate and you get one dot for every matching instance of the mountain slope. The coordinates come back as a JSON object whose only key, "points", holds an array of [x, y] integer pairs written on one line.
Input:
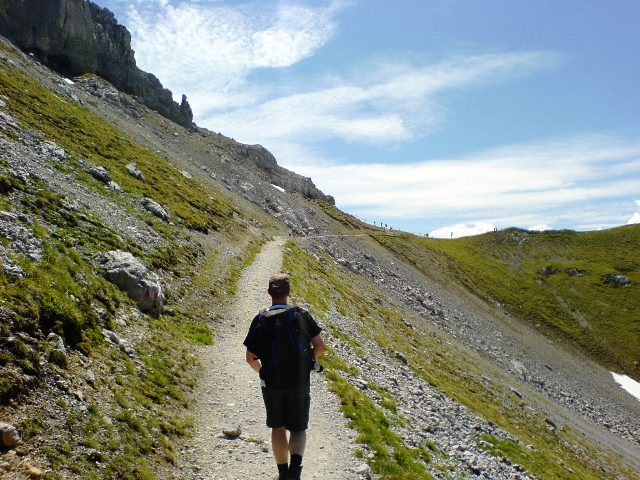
{"points": [[570, 284]]}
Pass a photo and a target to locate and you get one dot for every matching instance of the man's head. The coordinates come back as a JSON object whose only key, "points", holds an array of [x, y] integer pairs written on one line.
{"points": [[279, 286]]}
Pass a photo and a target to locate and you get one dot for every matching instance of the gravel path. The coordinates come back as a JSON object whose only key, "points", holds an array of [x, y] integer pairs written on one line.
{"points": [[229, 396]]}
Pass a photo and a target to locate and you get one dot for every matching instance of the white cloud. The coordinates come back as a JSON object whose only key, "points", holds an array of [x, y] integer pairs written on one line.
{"points": [[540, 228], [207, 50], [638, 203], [557, 181], [393, 102], [635, 218], [463, 230]]}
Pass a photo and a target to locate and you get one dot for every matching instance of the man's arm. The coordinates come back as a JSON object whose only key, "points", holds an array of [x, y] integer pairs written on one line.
{"points": [[318, 347], [253, 360]]}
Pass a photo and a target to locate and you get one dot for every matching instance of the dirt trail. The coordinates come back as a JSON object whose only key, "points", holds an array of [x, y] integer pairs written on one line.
{"points": [[229, 395]]}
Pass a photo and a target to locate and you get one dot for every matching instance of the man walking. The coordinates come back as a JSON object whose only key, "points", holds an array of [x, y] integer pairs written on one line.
{"points": [[283, 346]]}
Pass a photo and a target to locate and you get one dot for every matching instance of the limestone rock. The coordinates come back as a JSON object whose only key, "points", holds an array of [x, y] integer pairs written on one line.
{"points": [[90, 377], [124, 345], [232, 432], [8, 436], [99, 173], [50, 149], [135, 172], [155, 208], [130, 275], [363, 469]]}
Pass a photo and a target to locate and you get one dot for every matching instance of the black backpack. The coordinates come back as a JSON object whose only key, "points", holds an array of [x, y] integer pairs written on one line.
{"points": [[287, 357]]}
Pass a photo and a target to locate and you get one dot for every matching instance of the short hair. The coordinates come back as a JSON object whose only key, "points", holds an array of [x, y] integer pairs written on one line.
{"points": [[279, 285]]}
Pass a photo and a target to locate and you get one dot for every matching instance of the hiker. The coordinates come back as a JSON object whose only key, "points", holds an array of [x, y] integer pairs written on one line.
{"points": [[283, 346]]}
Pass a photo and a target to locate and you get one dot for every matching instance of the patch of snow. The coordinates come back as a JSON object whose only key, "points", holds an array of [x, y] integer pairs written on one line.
{"points": [[278, 188], [628, 383], [70, 82]]}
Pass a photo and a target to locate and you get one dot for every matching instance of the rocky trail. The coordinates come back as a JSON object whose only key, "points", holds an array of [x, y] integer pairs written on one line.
{"points": [[229, 398]]}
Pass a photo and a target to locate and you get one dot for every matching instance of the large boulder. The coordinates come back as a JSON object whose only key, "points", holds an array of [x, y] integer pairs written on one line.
{"points": [[131, 276]]}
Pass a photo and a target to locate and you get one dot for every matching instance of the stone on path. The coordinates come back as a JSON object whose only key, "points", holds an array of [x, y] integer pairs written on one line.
{"points": [[34, 472], [232, 432]]}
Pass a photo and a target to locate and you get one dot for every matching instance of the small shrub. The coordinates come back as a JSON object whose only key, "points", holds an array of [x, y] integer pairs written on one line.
{"points": [[59, 358], [32, 427], [6, 389]]}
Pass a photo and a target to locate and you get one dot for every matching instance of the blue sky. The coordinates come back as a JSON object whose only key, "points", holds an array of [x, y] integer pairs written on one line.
{"points": [[442, 116]]}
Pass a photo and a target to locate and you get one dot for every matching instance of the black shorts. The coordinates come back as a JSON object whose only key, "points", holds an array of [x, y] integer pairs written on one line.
{"points": [[287, 408]]}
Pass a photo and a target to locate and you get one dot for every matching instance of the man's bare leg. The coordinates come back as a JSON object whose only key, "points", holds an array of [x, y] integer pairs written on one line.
{"points": [[280, 445], [298, 442]]}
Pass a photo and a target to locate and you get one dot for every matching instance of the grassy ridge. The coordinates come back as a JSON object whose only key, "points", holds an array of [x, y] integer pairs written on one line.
{"points": [[554, 280], [328, 287]]}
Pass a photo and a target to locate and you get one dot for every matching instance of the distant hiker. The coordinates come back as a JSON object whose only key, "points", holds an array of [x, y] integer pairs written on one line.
{"points": [[283, 346]]}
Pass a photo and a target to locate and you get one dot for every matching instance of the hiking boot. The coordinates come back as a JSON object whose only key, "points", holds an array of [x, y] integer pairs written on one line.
{"points": [[294, 473]]}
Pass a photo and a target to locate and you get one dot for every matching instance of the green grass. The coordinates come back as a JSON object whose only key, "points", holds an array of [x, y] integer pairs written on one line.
{"points": [[529, 275], [326, 286], [86, 136], [392, 458]]}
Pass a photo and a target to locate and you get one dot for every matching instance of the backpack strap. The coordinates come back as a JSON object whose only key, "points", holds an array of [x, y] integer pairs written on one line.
{"points": [[294, 338], [262, 319]]}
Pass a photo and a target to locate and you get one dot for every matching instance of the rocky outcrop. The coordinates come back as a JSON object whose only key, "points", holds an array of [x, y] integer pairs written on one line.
{"points": [[76, 37], [254, 156], [130, 275]]}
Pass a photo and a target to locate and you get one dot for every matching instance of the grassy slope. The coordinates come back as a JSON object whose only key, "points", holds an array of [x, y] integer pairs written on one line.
{"points": [[506, 266], [135, 411], [328, 287]]}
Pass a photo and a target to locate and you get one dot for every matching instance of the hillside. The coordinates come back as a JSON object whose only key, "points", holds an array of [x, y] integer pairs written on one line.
{"points": [[580, 287], [123, 241]]}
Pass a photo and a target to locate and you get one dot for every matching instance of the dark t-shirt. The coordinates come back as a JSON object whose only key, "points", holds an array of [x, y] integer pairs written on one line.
{"points": [[257, 342]]}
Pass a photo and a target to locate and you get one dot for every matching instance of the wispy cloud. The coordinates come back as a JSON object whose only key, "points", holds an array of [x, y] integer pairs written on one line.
{"points": [[207, 49], [548, 180], [394, 102]]}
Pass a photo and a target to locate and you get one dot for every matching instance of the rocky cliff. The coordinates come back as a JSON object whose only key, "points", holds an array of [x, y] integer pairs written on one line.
{"points": [[254, 156], [78, 36]]}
